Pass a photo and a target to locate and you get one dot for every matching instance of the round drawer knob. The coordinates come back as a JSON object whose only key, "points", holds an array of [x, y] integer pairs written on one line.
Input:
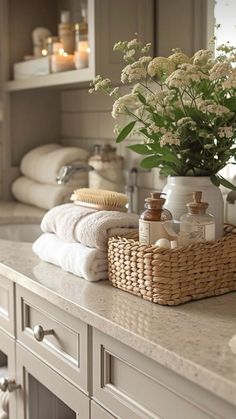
{"points": [[8, 385], [39, 333]]}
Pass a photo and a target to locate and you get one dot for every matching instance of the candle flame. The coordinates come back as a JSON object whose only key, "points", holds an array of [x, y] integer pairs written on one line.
{"points": [[62, 52]]}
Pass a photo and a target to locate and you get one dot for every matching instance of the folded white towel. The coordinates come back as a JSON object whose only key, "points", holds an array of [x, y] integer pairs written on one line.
{"points": [[89, 227], [91, 264], [43, 163], [40, 195]]}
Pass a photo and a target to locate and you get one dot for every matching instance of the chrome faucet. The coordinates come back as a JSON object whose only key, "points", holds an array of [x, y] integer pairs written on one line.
{"points": [[69, 170]]}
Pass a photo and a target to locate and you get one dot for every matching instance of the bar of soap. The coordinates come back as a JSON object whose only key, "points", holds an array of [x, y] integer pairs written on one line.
{"points": [[165, 243]]}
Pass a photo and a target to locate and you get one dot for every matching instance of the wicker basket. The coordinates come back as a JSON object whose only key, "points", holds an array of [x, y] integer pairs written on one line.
{"points": [[173, 277]]}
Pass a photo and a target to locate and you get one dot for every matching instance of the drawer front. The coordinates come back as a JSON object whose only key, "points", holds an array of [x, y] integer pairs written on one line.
{"points": [[33, 400], [66, 348], [7, 305], [97, 412], [132, 386]]}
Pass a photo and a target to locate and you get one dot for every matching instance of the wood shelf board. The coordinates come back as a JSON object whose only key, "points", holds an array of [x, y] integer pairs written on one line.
{"points": [[66, 78]]}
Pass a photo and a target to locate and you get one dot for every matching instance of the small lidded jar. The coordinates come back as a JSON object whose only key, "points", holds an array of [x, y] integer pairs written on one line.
{"points": [[151, 222], [203, 223]]}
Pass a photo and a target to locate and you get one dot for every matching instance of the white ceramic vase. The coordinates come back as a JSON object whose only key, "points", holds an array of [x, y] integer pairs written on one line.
{"points": [[179, 191]]}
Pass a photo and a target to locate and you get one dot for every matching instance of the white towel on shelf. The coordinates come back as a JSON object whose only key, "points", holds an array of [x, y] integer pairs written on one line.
{"points": [[73, 223], [43, 163], [91, 264], [40, 195]]}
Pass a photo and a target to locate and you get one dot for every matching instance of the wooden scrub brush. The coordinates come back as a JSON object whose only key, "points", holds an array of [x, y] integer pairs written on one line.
{"points": [[100, 199]]}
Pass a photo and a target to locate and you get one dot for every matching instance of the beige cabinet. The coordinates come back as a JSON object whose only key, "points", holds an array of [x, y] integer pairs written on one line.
{"points": [[180, 24], [7, 308], [7, 369], [132, 386], [65, 369], [44, 393], [64, 348]]}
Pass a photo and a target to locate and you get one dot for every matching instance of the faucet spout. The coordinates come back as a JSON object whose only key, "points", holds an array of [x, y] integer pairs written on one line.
{"points": [[69, 170]]}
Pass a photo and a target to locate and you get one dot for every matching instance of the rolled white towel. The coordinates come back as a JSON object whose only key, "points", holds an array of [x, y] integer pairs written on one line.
{"points": [[73, 223], [40, 195], [43, 163], [91, 264]]}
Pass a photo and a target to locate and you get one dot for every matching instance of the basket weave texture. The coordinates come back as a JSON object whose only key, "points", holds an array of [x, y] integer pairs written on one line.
{"points": [[172, 277]]}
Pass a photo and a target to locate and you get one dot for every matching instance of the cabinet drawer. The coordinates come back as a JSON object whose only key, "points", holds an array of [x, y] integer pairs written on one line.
{"points": [[66, 349], [7, 305], [132, 386]]}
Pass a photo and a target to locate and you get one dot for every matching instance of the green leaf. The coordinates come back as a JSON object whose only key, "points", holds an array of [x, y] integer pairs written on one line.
{"points": [[215, 180], [141, 98], [125, 132], [231, 103], [150, 162], [140, 148], [226, 183]]}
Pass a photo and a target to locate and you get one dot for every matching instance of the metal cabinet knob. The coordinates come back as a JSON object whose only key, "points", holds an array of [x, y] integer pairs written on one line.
{"points": [[8, 385], [39, 333]]}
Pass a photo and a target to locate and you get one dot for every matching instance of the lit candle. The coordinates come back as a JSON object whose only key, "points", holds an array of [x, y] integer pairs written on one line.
{"points": [[82, 55], [56, 47], [62, 61]]}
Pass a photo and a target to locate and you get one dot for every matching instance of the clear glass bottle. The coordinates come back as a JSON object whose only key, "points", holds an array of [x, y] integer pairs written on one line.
{"points": [[202, 223], [151, 222], [66, 33]]}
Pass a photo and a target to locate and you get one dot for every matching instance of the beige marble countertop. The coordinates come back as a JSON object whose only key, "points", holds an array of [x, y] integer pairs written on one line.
{"points": [[190, 339], [15, 212]]}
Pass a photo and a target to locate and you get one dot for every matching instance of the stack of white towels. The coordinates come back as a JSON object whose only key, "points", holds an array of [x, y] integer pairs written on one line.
{"points": [[37, 186], [76, 238]]}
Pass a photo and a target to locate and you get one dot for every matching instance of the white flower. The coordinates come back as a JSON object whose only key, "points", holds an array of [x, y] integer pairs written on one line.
{"points": [[209, 106], [177, 79], [160, 66], [178, 58], [187, 122], [169, 138], [125, 104], [129, 54], [231, 81], [219, 70], [134, 43], [202, 56], [225, 132], [155, 129], [133, 72], [145, 60]]}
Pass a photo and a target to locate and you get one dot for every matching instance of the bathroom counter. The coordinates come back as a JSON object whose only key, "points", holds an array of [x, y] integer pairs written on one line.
{"points": [[191, 339], [15, 212]]}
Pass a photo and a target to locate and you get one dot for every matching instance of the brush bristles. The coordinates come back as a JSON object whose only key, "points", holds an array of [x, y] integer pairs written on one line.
{"points": [[100, 197]]}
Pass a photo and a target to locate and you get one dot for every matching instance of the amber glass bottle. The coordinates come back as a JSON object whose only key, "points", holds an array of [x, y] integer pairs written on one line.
{"points": [[151, 221]]}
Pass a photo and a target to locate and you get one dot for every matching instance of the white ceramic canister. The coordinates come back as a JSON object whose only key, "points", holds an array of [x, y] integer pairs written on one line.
{"points": [[179, 190]]}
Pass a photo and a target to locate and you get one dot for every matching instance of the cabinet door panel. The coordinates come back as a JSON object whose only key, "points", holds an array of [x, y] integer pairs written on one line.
{"points": [[7, 357], [7, 305], [45, 394]]}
